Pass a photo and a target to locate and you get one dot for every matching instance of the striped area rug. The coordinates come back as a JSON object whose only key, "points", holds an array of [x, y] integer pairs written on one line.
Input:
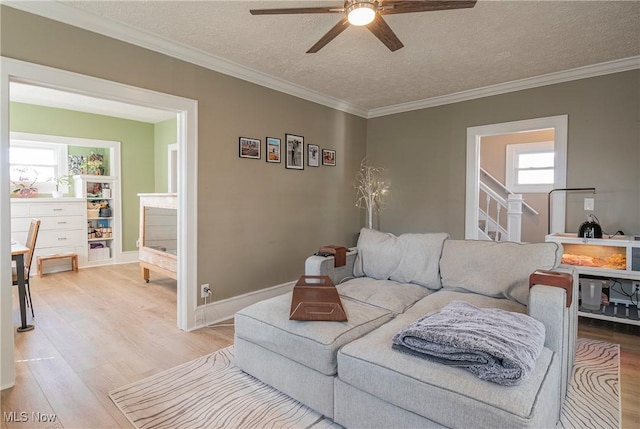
{"points": [[210, 392], [593, 396]]}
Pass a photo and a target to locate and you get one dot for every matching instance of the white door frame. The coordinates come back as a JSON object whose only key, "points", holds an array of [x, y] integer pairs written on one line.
{"points": [[474, 134], [187, 138]]}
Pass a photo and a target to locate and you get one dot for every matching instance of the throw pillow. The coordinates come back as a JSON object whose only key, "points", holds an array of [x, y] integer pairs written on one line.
{"points": [[408, 258], [496, 269]]}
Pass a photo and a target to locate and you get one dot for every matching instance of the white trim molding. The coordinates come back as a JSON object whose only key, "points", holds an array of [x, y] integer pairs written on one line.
{"points": [[593, 70], [128, 257], [7, 365], [222, 310], [58, 11]]}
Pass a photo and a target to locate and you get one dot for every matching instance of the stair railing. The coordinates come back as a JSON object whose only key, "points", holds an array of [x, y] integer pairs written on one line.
{"points": [[492, 228], [490, 213], [506, 190]]}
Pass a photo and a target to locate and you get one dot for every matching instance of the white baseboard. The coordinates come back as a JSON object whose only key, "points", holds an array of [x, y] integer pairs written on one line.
{"points": [[218, 311], [7, 386], [120, 258], [127, 257]]}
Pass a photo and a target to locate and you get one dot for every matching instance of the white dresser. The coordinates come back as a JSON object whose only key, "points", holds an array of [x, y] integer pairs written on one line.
{"points": [[62, 228]]}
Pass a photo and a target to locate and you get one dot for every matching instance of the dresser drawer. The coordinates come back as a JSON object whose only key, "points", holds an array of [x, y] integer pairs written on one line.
{"points": [[55, 209], [19, 210], [55, 238], [61, 222], [20, 224], [47, 223]]}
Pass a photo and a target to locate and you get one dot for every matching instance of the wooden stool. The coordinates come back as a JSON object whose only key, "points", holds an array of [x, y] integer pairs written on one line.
{"points": [[72, 256]]}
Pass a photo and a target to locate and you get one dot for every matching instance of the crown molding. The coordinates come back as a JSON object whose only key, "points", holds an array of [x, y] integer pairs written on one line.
{"points": [[593, 70], [79, 18]]}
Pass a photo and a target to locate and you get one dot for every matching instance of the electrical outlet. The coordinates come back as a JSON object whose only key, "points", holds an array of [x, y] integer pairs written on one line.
{"points": [[589, 204], [138, 242], [205, 290], [636, 287]]}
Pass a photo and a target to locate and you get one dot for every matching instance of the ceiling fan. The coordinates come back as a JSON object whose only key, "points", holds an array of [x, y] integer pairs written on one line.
{"points": [[369, 13]]}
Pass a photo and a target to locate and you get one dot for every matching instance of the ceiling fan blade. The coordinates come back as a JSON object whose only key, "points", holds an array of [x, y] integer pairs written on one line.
{"points": [[331, 34], [296, 10], [396, 6], [382, 31]]}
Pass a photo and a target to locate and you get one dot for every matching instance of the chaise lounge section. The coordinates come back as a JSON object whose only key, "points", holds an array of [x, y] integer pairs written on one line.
{"points": [[348, 370]]}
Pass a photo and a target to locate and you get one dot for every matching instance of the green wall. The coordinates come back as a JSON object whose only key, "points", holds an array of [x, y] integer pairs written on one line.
{"points": [[165, 133], [136, 150]]}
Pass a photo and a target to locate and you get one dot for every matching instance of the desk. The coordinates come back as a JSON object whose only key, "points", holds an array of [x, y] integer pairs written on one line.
{"points": [[17, 254]]}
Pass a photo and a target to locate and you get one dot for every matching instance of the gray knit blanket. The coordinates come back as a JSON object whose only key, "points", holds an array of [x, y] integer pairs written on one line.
{"points": [[495, 345]]}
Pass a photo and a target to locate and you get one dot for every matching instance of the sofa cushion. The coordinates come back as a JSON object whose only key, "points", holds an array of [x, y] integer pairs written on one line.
{"points": [[313, 344], [408, 258], [496, 269], [371, 365], [387, 294]]}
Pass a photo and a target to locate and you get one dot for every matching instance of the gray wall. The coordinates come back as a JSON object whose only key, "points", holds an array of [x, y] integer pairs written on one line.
{"points": [[425, 152], [257, 222]]}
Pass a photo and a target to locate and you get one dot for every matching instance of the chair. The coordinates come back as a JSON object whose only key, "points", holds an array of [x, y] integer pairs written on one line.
{"points": [[34, 227]]}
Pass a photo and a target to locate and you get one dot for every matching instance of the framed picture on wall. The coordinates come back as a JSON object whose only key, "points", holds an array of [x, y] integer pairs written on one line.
{"points": [[273, 150], [295, 152], [75, 164], [329, 157], [313, 155], [249, 148]]}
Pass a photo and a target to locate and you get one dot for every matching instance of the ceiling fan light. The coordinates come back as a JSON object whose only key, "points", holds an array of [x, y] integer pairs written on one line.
{"points": [[361, 13]]}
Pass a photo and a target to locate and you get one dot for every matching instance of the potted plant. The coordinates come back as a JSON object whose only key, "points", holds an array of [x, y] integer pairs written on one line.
{"points": [[93, 164], [25, 187], [64, 180]]}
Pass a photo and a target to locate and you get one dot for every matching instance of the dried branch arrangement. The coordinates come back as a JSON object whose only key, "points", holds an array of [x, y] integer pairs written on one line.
{"points": [[371, 189]]}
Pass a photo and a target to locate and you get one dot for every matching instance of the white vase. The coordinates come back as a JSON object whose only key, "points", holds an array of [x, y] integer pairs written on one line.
{"points": [[57, 194]]}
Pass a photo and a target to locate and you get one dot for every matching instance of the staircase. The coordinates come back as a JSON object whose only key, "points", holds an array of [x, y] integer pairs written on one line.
{"points": [[500, 217]]}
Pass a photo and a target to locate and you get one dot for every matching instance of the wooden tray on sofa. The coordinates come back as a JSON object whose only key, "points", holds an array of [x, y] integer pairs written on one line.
{"points": [[316, 298]]}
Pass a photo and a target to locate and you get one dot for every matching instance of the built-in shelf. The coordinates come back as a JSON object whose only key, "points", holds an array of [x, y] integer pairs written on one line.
{"points": [[99, 192]]}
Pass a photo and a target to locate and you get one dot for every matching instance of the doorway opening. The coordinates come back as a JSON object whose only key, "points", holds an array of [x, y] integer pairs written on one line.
{"points": [[524, 158], [186, 112]]}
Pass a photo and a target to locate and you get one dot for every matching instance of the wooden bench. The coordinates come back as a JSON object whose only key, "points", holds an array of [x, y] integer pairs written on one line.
{"points": [[72, 256]]}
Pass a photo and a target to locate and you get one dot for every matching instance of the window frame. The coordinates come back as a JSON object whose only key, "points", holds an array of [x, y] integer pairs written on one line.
{"points": [[61, 167], [513, 152]]}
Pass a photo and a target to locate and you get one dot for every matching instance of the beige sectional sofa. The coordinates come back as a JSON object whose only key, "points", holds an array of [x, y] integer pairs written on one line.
{"points": [[348, 370]]}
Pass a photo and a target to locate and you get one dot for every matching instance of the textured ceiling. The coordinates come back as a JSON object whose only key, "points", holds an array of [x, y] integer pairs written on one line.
{"points": [[445, 52]]}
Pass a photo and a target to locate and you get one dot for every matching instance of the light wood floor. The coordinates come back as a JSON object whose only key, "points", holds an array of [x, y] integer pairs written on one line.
{"points": [[628, 336], [96, 330], [104, 327]]}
